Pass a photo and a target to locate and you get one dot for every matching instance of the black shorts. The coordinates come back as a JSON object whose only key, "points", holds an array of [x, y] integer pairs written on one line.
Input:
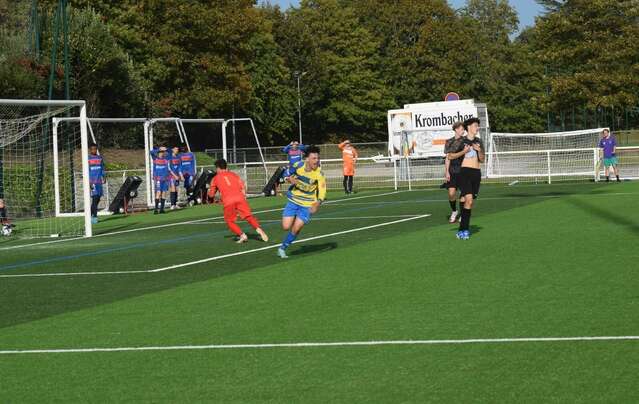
{"points": [[454, 181], [469, 180]]}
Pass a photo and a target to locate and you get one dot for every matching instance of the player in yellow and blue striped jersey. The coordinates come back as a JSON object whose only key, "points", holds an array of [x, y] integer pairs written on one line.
{"points": [[305, 195]]}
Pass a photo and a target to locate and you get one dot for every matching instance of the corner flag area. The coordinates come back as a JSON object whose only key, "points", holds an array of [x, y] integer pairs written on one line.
{"points": [[378, 302]]}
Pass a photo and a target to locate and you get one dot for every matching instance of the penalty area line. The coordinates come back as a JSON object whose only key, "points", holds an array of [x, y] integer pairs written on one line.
{"points": [[323, 344], [160, 226], [218, 257], [316, 219]]}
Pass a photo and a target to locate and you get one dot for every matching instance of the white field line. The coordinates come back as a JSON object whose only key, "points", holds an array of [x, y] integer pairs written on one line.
{"points": [[179, 223], [321, 344], [499, 198], [217, 257], [316, 219]]}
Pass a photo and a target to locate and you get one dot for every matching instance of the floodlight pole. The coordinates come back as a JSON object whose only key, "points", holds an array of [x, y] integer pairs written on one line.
{"points": [[298, 75]]}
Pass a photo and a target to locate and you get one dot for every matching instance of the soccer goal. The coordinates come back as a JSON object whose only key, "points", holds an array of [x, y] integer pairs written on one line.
{"points": [[254, 175], [38, 181], [544, 156], [121, 143]]}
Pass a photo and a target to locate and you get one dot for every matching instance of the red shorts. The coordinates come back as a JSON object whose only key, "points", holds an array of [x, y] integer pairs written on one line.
{"points": [[231, 210]]}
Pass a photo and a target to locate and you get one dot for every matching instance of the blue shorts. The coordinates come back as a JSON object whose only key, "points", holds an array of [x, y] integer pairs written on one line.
{"points": [[97, 190], [161, 185], [294, 210]]}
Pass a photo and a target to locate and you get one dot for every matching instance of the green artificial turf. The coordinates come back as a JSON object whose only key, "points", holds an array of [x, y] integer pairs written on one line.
{"points": [[543, 261]]}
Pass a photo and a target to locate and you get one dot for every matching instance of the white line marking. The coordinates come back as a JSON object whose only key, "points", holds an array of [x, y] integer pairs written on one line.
{"points": [[217, 257], [496, 198], [322, 344], [315, 219], [180, 223]]}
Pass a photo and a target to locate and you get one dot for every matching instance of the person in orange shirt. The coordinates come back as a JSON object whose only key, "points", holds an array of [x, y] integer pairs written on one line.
{"points": [[233, 195], [349, 157]]}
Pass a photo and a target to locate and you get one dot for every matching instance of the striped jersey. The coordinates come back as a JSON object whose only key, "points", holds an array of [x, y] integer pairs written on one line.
{"points": [[310, 186]]}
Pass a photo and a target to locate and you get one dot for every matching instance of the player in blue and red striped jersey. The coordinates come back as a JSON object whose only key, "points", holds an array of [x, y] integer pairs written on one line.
{"points": [[294, 153], [175, 164], [96, 180], [161, 177], [189, 168]]}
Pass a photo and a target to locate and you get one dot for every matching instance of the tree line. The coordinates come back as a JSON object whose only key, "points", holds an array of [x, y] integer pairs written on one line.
{"points": [[576, 67]]}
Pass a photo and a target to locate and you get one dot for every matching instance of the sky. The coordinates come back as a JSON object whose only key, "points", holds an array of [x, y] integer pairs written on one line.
{"points": [[527, 9]]}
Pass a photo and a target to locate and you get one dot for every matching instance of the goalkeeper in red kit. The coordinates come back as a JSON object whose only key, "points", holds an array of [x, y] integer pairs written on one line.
{"points": [[233, 194]]}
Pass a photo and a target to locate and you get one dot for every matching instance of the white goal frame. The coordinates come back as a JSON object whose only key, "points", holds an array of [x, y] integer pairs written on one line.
{"points": [[257, 142], [149, 143], [88, 231], [56, 123]]}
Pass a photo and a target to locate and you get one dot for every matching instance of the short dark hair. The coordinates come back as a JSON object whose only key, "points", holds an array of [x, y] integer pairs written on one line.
{"points": [[221, 163], [606, 130], [457, 125], [471, 121], [311, 149], [92, 145]]}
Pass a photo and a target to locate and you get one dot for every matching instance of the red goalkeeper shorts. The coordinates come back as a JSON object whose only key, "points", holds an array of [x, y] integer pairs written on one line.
{"points": [[233, 209]]}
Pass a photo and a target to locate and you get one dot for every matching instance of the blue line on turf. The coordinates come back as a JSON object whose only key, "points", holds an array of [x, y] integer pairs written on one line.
{"points": [[145, 244]]}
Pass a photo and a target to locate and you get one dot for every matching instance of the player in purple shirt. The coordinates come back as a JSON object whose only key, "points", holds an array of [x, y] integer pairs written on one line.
{"points": [[609, 145]]}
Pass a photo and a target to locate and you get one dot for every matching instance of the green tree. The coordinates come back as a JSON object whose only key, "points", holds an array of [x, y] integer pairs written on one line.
{"points": [[344, 93], [101, 72], [192, 56], [421, 47], [590, 49], [273, 101], [501, 72]]}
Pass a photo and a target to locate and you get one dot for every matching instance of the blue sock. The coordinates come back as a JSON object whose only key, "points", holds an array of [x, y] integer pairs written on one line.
{"points": [[290, 237]]}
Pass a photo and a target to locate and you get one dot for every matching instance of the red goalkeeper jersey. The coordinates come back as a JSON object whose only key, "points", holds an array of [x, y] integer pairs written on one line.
{"points": [[230, 185]]}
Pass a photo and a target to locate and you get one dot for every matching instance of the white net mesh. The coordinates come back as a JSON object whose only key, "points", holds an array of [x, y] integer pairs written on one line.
{"points": [[560, 155], [27, 175], [121, 162]]}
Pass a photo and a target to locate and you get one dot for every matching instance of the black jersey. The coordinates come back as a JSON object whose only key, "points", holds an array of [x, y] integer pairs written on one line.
{"points": [[454, 146]]}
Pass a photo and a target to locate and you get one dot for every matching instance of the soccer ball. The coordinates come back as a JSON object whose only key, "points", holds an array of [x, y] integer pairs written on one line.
{"points": [[7, 230], [121, 210]]}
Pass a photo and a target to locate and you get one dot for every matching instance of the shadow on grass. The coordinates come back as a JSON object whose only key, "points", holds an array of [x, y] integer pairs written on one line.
{"points": [[601, 212], [28, 299], [524, 195], [474, 229], [312, 248]]}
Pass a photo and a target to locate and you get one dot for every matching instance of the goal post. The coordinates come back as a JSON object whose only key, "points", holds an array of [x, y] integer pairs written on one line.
{"points": [[548, 156], [255, 136], [102, 131], [31, 168], [173, 131]]}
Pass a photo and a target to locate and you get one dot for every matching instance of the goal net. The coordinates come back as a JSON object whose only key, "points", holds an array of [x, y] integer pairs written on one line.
{"points": [[547, 156], [226, 138], [38, 183], [121, 144], [171, 133]]}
